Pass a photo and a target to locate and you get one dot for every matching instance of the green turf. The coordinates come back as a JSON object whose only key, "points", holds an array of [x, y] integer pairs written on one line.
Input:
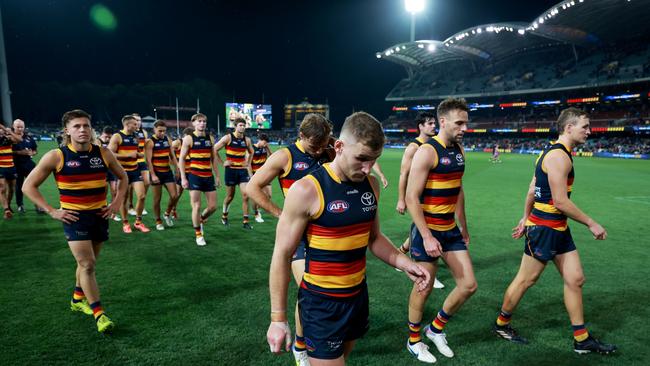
{"points": [[175, 303]]}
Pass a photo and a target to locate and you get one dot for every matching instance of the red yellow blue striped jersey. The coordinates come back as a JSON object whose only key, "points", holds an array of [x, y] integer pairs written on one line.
{"points": [[236, 151], [200, 154], [337, 236], [160, 154], [260, 154], [6, 153], [299, 165], [142, 138], [81, 178], [417, 141], [440, 194], [544, 213], [177, 152], [128, 145]]}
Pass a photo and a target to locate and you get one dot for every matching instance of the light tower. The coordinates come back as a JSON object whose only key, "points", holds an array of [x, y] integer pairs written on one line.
{"points": [[414, 7]]}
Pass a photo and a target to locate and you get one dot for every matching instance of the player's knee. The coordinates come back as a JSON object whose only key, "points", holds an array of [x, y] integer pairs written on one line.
{"points": [[87, 265], [470, 288], [577, 281], [140, 196]]}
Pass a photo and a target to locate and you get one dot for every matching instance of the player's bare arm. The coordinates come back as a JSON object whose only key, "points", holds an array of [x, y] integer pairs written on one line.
{"points": [[518, 231], [122, 182], [404, 169], [185, 149], [273, 168], [46, 166], [301, 203], [558, 166], [220, 145], [423, 160], [148, 149]]}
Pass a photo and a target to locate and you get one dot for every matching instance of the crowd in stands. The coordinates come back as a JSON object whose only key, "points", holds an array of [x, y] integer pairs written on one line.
{"points": [[543, 69]]}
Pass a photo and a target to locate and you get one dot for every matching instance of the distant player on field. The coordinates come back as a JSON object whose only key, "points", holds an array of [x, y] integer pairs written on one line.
{"points": [[80, 168], [261, 153], [548, 237], [159, 160], [495, 154]]}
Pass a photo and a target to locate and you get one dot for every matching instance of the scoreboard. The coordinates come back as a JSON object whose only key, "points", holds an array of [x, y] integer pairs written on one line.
{"points": [[294, 113]]}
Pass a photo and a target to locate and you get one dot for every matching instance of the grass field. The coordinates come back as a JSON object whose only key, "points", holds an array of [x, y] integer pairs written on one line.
{"points": [[175, 303]]}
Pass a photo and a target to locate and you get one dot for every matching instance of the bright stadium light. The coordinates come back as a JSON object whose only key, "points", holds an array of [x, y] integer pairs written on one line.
{"points": [[413, 7], [431, 48]]}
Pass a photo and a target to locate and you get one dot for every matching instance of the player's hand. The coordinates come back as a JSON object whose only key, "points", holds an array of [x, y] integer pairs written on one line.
{"points": [[110, 210], [64, 215], [518, 231], [278, 333], [139, 155], [217, 181], [598, 231], [432, 247], [384, 181], [155, 179], [226, 163], [419, 275], [465, 235], [184, 183], [401, 207]]}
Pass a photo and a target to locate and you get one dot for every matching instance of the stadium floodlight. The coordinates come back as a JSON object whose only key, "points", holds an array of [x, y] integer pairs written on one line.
{"points": [[521, 31], [431, 48], [378, 55], [413, 7]]}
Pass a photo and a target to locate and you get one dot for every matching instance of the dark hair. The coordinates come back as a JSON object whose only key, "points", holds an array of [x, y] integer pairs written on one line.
{"points": [[263, 137], [422, 118], [75, 113], [365, 129], [159, 123], [187, 131], [239, 120], [569, 116], [451, 104], [108, 130]]}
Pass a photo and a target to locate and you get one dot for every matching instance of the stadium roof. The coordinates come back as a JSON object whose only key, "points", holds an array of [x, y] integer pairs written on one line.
{"points": [[570, 22]]}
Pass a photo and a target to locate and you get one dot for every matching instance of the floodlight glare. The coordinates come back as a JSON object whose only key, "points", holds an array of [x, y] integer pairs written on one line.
{"points": [[414, 6]]}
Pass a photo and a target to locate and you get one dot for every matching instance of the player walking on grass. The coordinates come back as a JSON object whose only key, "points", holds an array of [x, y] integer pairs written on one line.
{"points": [[80, 169], [198, 147], [261, 153], [7, 169], [289, 165], [159, 155], [335, 208], [237, 168], [548, 237], [435, 198], [176, 147], [125, 145]]}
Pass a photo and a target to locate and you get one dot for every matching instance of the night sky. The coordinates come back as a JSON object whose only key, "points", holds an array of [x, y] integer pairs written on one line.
{"points": [[284, 50]]}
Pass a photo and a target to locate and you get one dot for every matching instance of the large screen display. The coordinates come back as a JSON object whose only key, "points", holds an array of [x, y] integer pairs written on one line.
{"points": [[256, 115]]}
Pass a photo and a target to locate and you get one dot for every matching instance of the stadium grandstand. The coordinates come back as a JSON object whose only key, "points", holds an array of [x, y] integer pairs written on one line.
{"points": [[517, 76]]}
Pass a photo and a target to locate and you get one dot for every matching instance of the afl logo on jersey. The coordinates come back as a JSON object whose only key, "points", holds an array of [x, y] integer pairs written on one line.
{"points": [[301, 165], [338, 206], [73, 164], [445, 161]]}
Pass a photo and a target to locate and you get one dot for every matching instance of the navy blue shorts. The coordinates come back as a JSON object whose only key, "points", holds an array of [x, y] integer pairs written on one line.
{"points": [[203, 184], [90, 226], [178, 180], [142, 167], [164, 177], [544, 243], [234, 177], [300, 252], [328, 322], [134, 176], [25, 168], [8, 173], [110, 177], [450, 240]]}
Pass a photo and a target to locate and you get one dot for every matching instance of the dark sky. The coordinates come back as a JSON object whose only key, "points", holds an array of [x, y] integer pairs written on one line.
{"points": [[286, 50]]}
